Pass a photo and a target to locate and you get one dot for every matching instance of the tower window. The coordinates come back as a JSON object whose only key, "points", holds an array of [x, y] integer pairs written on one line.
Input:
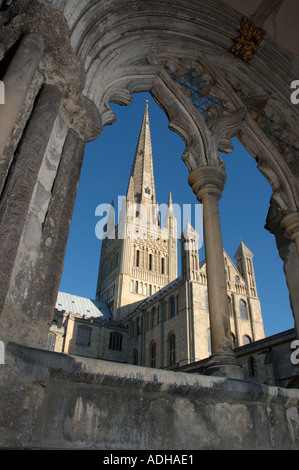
{"points": [[147, 191], [246, 340], [136, 287], [243, 310], [150, 262], [209, 342], [162, 266], [137, 258]]}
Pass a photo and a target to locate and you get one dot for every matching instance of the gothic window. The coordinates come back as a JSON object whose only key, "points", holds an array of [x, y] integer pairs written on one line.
{"points": [[137, 258], [51, 342], [154, 311], [153, 354], [209, 342], [150, 262], [207, 301], [246, 340], [237, 279], [83, 336], [136, 287], [243, 310], [147, 191], [149, 289], [172, 306], [230, 305], [233, 341], [252, 368], [135, 357], [172, 349], [138, 326], [162, 266]]}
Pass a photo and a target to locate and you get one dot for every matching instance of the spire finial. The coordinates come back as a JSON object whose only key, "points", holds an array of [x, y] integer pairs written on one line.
{"points": [[146, 104]]}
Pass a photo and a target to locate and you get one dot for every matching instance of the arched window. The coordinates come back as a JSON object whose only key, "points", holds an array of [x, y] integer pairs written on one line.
{"points": [[135, 357], [153, 351], [138, 326], [115, 341], [230, 305], [243, 310], [136, 287], [252, 368], [172, 306], [137, 258], [209, 342], [207, 301], [172, 349], [246, 340], [150, 261], [83, 336], [149, 289], [51, 342], [154, 311], [162, 266]]}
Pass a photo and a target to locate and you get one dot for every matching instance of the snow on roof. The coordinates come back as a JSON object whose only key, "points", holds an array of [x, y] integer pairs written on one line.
{"points": [[82, 306]]}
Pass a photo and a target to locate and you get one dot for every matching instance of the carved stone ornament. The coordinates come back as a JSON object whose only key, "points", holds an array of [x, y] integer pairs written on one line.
{"points": [[247, 43]]}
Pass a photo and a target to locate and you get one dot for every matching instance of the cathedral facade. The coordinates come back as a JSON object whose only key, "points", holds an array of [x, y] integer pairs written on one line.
{"points": [[144, 312]]}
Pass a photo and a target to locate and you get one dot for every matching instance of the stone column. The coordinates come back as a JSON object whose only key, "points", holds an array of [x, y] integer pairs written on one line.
{"points": [[286, 231], [15, 202], [208, 183], [42, 296], [17, 81]]}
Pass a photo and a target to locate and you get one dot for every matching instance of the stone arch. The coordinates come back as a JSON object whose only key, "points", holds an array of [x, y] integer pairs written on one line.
{"points": [[104, 52]]}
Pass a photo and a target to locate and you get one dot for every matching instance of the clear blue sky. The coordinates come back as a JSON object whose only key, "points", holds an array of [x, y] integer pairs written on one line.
{"points": [[244, 205]]}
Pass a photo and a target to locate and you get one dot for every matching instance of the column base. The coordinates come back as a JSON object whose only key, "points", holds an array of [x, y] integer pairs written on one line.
{"points": [[224, 365]]}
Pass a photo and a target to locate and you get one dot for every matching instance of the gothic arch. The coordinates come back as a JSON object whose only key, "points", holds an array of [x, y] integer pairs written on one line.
{"points": [[104, 52], [120, 60]]}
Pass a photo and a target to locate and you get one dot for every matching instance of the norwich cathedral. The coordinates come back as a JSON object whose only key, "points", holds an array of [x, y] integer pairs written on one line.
{"points": [[171, 353], [144, 313]]}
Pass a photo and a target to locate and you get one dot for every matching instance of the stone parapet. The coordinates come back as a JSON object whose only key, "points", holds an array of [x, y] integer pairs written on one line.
{"points": [[57, 401]]}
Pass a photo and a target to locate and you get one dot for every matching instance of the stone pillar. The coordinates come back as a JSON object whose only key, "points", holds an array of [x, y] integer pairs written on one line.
{"points": [[286, 231], [17, 81], [41, 300], [208, 183], [16, 198]]}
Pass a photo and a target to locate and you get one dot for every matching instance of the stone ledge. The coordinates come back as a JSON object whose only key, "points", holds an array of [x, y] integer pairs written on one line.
{"points": [[53, 400]]}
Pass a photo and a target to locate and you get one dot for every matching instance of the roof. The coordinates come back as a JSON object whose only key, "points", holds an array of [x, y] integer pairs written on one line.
{"points": [[82, 306]]}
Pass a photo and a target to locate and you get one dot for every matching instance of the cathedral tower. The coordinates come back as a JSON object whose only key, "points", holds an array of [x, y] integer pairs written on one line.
{"points": [[143, 257]]}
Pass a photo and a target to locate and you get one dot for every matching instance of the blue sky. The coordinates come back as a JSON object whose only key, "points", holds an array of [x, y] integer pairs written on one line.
{"points": [[243, 207]]}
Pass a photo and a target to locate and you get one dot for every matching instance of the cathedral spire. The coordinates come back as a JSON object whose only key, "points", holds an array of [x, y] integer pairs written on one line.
{"points": [[141, 183]]}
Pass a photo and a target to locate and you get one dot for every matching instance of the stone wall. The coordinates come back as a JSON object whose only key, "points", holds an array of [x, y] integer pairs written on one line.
{"points": [[55, 401]]}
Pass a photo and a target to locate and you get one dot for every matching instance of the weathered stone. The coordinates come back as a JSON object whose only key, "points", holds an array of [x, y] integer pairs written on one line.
{"points": [[63, 402]]}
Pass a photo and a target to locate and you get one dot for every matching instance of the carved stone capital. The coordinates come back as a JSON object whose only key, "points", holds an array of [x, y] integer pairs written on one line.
{"points": [[207, 180], [291, 225]]}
